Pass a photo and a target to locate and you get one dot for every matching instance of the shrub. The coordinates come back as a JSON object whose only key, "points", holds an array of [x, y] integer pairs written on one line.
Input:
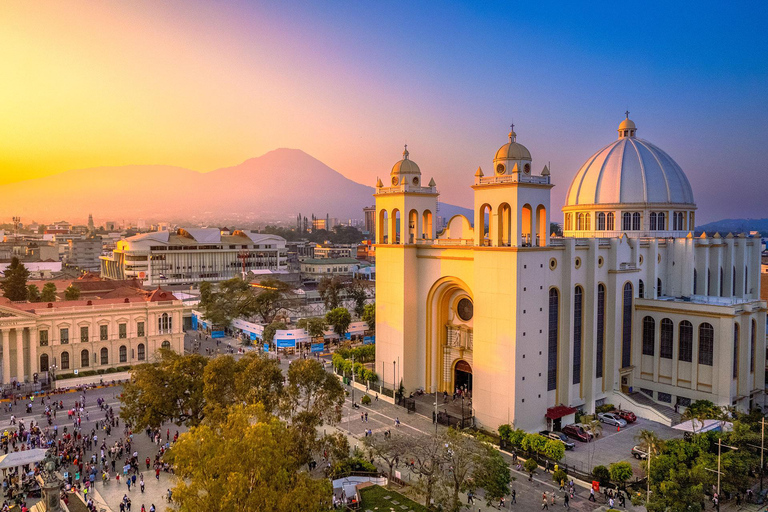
{"points": [[530, 465], [347, 466], [601, 474], [366, 400], [505, 432], [559, 476], [604, 408]]}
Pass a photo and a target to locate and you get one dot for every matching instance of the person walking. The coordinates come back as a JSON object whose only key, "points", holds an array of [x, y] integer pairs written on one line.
{"points": [[592, 494], [544, 503], [567, 502]]}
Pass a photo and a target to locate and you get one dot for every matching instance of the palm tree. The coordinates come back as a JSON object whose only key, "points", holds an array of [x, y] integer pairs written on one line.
{"points": [[595, 428], [651, 443]]}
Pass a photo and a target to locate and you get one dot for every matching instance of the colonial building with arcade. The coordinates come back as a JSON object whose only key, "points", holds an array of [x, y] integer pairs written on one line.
{"points": [[628, 306]]}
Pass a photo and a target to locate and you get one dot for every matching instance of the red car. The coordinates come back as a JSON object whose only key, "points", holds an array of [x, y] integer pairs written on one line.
{"points": [[576, 432], [627, 416]]}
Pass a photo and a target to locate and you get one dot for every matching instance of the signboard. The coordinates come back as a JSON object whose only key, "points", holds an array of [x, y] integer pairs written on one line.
{"points": [[285, 343], [253, 336], [217, 334], [77, 371], [368, 340], [317, 347], [194, 322], [266, 347]]}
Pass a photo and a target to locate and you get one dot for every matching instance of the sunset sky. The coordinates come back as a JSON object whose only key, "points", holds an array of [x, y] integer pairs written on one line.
{"points": [[205, 85]]}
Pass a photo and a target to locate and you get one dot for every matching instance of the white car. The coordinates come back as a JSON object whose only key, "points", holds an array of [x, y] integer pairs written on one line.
{"points": [[611, 419]]}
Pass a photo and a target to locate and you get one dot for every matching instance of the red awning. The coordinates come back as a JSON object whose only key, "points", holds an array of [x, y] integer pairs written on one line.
{"points": [[554, 413]]}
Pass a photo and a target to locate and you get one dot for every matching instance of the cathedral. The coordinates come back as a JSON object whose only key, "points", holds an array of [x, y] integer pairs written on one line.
{"points": [[626, 307]]}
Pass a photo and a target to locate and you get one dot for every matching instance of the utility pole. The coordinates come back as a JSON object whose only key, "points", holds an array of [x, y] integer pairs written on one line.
{"points": [[648, 478], [762, 451], [719, 446]]}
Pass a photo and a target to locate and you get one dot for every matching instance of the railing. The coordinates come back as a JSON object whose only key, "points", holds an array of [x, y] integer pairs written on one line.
{"points": [[513, 178], [445, 241], [406, 188]]}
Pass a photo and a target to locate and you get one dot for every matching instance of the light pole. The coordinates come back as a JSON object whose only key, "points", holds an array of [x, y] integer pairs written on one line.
{"points": [[719, 446], [394, 380]]}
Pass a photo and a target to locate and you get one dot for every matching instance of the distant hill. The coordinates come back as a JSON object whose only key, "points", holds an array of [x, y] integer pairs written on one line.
{"points": [[726, 226], [277, 185]]}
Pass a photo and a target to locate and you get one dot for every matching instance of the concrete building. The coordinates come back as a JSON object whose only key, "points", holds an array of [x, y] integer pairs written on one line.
{"points": [[84, 254], [188, 256], [369, 228], [86, 334], [315, 268], [637, 312], [334, 251]]}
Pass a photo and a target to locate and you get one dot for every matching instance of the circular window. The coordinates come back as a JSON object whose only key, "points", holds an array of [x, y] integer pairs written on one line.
{"points": [[577, 262], [552, 263], [465, 309], [394, 180], [416, 182], [500, 169], [600, 261]]}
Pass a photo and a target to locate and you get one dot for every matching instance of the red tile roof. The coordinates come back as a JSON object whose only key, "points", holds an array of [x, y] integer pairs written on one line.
{"points": [[559, 411]]}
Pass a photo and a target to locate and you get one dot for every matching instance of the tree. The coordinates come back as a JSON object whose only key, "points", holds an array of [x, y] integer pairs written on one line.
{"points": [[534, 443], [330, 289], [428, 458], [620, 472], [555, 228], [71, 292], [49, 293], [601, 474], [493, 475], [339, 319], [369, 316], [315, 327], [358, 292], [388, 449], [206, 293], [244, 463], [269, 331], [273, 296], [699, 411], [336, 446], [234, 298], [33, 293], [464, 455], [171, 390], [14, 282], [595, 427], [555, 450], [530, 465]]}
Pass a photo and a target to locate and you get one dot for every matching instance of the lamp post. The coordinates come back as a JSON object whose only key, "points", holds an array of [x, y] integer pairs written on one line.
{"points": [[52, 372], [719, 447], [394, 379]]}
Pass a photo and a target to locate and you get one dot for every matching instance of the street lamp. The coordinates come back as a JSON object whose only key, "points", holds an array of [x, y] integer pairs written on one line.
{"points": [[52, 372], [719, 447]]}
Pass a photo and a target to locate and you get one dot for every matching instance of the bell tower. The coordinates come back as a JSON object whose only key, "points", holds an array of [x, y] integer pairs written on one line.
{"points": [[512, 205]]}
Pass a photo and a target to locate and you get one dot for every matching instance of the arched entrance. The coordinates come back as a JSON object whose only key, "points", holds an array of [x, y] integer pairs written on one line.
{"points": [[462, 376]]}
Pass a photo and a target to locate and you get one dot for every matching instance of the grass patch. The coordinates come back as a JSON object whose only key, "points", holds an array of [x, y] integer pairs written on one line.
{"points": [[373, 499]]}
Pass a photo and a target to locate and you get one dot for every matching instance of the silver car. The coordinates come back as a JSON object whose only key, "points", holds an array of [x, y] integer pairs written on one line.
{"points": [[611, 419]]}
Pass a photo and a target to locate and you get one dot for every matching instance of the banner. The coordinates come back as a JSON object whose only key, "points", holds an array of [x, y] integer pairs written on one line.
{"points": [[266, 347], [217, 334], [368, 340], [286, 343], [317, 347], [253, 336]]}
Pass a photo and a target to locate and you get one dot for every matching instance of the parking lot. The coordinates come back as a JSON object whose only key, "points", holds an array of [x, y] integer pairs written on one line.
{"points": [[613, 446]]}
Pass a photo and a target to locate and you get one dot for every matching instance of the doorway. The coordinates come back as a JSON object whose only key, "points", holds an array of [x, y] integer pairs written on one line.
{"points": [[462, 376]]}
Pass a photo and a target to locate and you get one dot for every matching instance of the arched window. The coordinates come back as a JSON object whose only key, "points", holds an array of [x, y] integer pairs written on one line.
{"points": [[104, 356], [552, 335], [600, 221], [587, 223], [65, 360], [600, 338], [658, 287], [722, 282], [735, 350], [695, 281], [636, 221], [166, 345], [649, 336], [85, 358], [641, 289], [653, 221], [140, 351], [661, 221], [752, 346], [666, 338], [579, 222], [626, 331], [578, 320], [685, 340], [568, 222], [610, 222], [626, 221], [706, 344], [123, 354], [43, 362]]}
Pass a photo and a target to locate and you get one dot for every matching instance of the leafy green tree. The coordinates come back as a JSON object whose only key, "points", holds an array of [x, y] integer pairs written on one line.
{"points": [[555, 228], [601, 474], [388, 448], [206, 293], [534, 443], [315, 327], [71, 292], [530, 465], [492, 475], [330, 289], [33, 293], [358, 292], [555, 450], [269, 331], [273, 296], [369, 316], [699, 411], [14, 283], [339, 319], [620, 472], [49, 293], [246, 462]]}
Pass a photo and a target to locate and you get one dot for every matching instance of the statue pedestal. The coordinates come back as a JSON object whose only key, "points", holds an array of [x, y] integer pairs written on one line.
{"points": [[51, 491]]}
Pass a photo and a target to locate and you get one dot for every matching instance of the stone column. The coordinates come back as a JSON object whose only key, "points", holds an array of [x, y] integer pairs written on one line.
{"points": [[4, 336], [34, 364], [20, 355]]}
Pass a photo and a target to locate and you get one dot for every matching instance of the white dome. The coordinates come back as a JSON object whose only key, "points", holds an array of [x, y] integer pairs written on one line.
{"points": [[630, 171]]}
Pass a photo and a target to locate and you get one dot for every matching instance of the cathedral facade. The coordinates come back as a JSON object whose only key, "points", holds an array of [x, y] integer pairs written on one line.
{"points": [[626, 307]]}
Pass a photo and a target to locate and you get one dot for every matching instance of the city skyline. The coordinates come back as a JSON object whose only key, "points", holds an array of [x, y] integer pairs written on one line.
{"points": [[202, 86]]}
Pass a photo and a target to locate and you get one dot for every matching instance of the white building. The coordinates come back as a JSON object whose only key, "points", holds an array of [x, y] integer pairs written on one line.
{"points": [[634, 311], [188, 256], [316, 268]]}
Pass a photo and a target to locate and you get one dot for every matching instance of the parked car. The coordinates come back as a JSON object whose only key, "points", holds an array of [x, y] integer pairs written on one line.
{"points": [[639, 453], [611, 419], [627, 416], [558, 436], [577, 432]]}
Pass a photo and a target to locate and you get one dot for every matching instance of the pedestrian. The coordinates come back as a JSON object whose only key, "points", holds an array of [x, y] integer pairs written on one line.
{"points": [[514, 496], [544, 504], [141, 484], [610, 503], [128, 483], [366, 417], [592, 494], [553, 499], [567, 502]]}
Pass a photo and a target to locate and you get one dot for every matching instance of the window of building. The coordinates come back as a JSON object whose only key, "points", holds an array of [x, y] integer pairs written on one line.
{"points": [[104, 356], [139, 329], [85, 358], [65, 360], [140, 351], [641, 289], [706, 344], [752, 347], [636, 221], [64, 335], [580, 222], [552, 335], [661, 221], [166, 345], [43, 337], [626, 334], [658, 287], [610, 222], [647, 391], [664, 397], [587, 222], [653, 221], [600, 340], [649, 336], [746, 280], [568, 222], [122, 331], [733, 283], [84, 334], [123, 352], [735, 350], [600, 221], [685, 339], [103, 332], [709, 281], [578, 317], [722, 288], [695, 279], [667, 338], [626, 221], [683, 401]]}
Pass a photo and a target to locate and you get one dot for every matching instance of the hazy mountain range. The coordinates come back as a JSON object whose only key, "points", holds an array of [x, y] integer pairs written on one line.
{"points": [[275, 186], [726, 226]]}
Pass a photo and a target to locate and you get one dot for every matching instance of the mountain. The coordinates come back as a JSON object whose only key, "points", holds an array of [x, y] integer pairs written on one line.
{"points": [[734, 226], [275, 186]]}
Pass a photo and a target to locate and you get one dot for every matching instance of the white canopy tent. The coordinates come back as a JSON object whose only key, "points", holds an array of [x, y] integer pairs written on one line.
{"points": [[16, 459], [705, 426]]}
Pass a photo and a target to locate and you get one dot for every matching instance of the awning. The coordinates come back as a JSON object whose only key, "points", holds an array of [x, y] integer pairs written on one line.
{"points": [[15, 459], [557, 412]]}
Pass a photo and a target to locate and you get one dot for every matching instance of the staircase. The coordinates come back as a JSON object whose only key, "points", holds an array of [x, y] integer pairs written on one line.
{"points": [[645, 407]]}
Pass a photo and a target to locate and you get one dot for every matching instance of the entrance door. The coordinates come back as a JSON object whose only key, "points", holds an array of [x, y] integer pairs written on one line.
{"points": [[462, 376]]}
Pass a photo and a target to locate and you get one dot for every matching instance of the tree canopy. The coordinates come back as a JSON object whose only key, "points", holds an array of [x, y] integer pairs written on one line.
{"points": [[33, 293], [14, 283], [71, 292], [330, 290], [235, 298], [49, 293], [339, 319], [369, 316]]}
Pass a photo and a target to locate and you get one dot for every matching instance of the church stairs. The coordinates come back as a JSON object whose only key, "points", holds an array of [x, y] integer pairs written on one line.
{"points": [[645, 407]]}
